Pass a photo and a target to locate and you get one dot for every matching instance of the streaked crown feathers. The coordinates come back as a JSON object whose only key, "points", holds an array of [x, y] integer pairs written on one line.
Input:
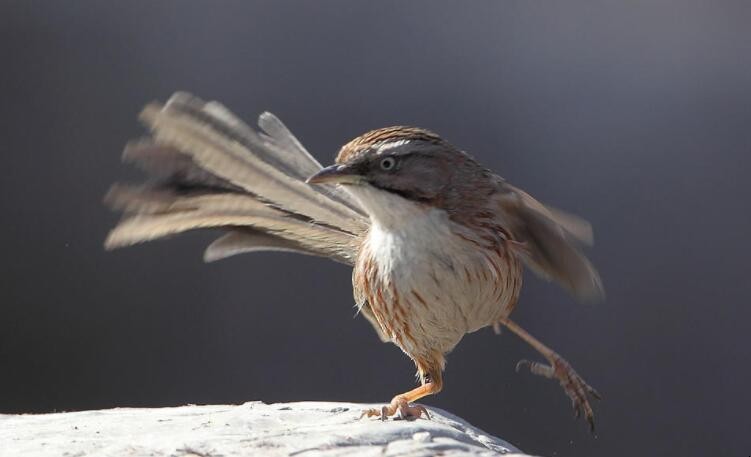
{"points": [[383, 139]]}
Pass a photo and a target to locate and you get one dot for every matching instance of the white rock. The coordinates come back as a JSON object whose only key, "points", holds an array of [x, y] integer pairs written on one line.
{"points": [[299, 429]]}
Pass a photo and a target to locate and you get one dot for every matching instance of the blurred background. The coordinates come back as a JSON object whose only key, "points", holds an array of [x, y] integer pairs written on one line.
{"points": [[635, 115]]}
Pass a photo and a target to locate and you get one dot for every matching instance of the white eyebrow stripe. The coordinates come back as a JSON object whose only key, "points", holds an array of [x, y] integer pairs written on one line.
{"points": [[391, 145]]}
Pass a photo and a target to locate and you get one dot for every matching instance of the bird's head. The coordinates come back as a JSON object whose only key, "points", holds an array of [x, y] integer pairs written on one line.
{"points": [[384, 167]]}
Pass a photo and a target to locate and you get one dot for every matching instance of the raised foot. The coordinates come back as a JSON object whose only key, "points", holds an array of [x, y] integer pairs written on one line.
{"points": [[573, 384], [399, 406]]}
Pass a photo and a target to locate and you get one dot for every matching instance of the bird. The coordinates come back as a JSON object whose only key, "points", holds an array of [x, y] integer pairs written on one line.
{"points": [[437, 241]]}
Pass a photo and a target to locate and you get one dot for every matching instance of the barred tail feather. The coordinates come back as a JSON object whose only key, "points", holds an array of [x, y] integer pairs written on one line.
{"points": [[210, 170], [246, 240]]}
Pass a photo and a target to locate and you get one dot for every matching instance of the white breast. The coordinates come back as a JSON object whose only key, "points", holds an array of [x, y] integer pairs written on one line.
{"points": [[435, 285]]}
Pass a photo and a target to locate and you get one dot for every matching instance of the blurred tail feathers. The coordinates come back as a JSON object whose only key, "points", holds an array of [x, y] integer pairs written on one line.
{"points": [[210, 170]]}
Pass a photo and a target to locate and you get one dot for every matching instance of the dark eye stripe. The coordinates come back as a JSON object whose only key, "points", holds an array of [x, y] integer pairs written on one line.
{"points": [[413, 196]]}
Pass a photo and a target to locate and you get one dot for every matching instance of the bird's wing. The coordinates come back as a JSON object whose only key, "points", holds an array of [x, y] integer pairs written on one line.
{"points": [[549, 242]]}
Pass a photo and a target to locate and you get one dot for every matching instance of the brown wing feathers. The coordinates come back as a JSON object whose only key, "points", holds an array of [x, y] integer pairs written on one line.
{"points": [[549, 243]]}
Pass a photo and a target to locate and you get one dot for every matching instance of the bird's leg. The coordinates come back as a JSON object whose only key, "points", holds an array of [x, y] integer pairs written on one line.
{"points": [[573, 384], [432, 383]]}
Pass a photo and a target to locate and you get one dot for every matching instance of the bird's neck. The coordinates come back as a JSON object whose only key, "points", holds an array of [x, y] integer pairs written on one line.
{"points": [[389, 211]]}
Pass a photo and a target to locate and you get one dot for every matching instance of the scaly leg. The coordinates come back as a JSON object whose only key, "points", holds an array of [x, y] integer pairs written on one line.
{"points": [[432, 383], [573, 384]]}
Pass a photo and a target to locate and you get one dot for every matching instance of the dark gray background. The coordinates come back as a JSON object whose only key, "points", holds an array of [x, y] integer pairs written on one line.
{"points": [[635, 115]]}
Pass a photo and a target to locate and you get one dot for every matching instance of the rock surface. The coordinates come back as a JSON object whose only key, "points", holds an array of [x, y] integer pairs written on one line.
{"points": [[255, 428]]}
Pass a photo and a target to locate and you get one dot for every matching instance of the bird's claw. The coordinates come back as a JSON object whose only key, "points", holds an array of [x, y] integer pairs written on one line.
{"points": [[413, 412], [573, 384], [400, 407]]}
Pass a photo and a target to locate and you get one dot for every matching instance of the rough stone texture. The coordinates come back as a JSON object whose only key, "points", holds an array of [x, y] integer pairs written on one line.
{"points": [[255, 428]]}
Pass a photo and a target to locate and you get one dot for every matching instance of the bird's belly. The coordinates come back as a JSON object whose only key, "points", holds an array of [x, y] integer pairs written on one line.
{"points": [[428, 291]]}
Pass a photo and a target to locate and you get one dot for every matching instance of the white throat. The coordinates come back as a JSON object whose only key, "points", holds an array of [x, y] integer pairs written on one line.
{"points": [[415, 248], [386, 210]]}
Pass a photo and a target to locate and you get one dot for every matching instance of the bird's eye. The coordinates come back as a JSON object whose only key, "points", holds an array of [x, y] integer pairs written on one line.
{"points": [[388, 163]]}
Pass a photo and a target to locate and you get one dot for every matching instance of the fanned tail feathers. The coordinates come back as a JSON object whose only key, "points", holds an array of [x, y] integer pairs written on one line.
{"points": [[210, 170]]}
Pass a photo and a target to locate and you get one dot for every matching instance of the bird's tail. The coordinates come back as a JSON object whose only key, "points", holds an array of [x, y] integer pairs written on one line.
{"points": [[208, 169]]}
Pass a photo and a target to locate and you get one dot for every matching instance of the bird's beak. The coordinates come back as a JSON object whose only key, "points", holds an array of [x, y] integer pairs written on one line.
{"points": [[340, 174]]}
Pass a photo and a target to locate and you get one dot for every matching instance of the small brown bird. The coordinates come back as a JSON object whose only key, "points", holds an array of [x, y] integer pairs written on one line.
{"points": [[437, 241]]}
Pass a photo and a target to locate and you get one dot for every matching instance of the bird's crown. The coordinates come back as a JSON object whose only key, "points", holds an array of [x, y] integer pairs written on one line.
{"points": [[379, 140]]}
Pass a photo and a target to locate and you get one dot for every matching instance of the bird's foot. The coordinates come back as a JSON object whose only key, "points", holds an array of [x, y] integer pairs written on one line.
{"points": [[400, 407], [573, 384]]}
